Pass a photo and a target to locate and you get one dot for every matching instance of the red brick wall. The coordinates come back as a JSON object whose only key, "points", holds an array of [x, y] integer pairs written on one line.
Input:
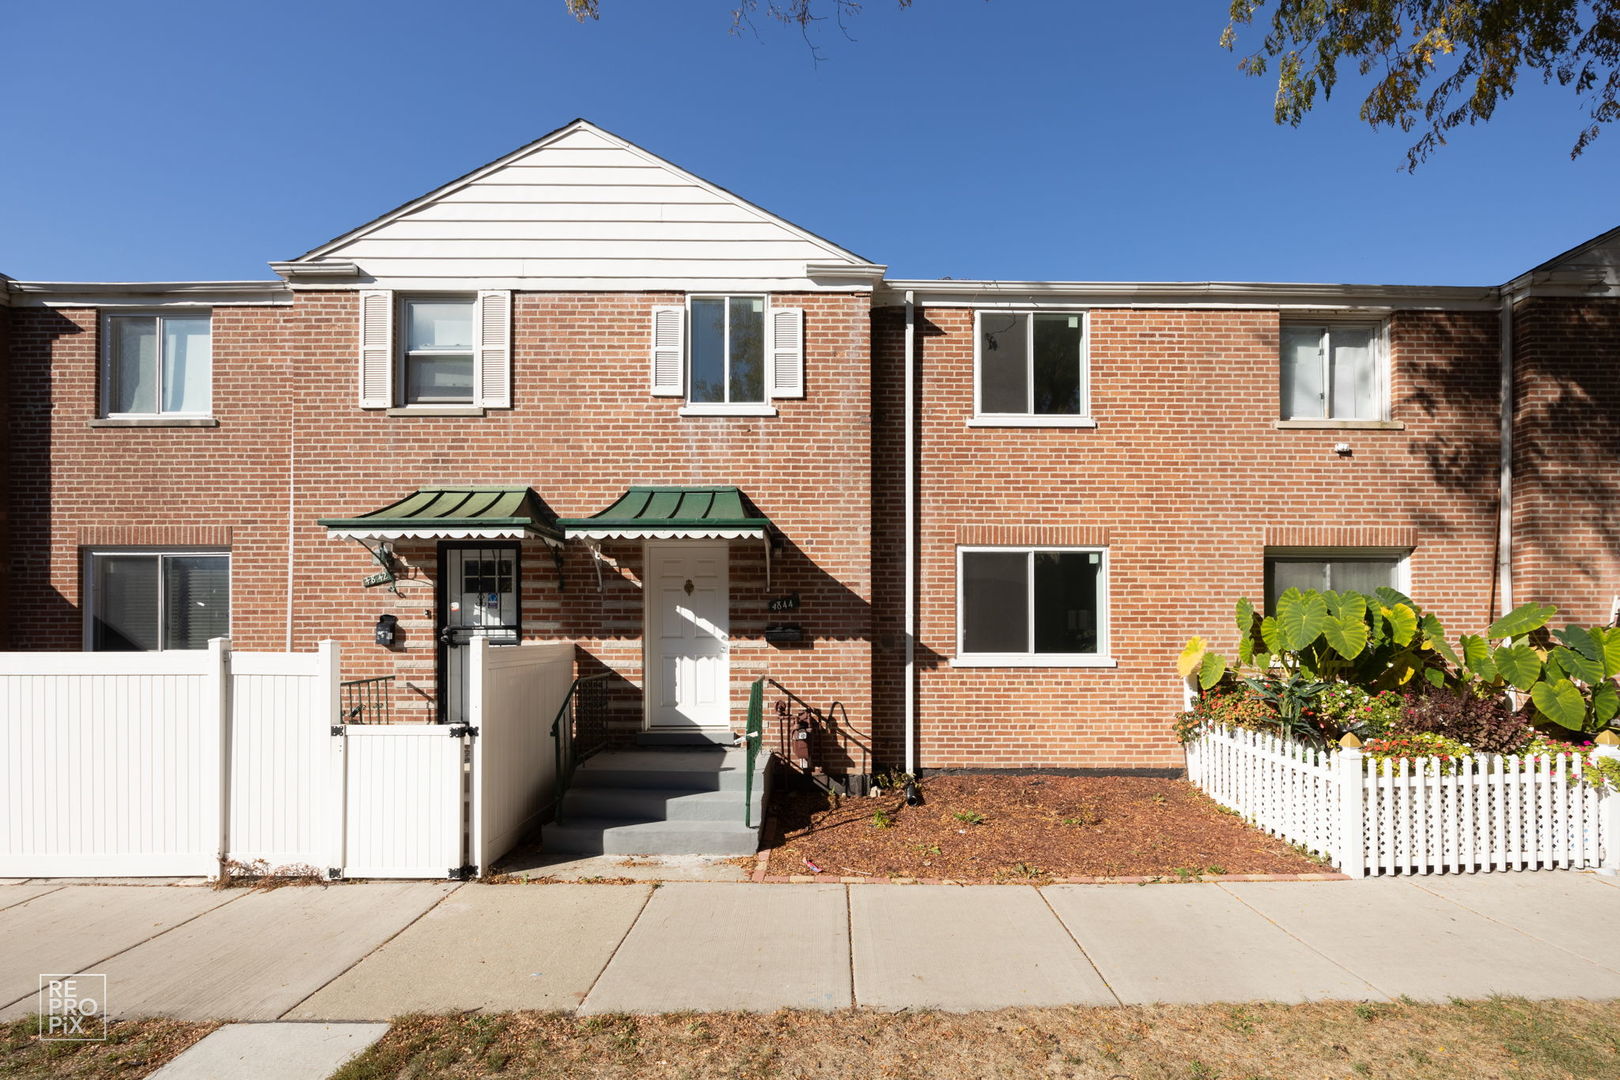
{"points": [[1566, 456], [1182, 478], [583, 428]]}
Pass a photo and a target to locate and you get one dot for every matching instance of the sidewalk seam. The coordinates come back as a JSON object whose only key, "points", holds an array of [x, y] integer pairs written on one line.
{"points": [[1041, 892], [113, 956], [1342, 967], [1519, 929], [369, 953], [642, 910], [31, 899], [849, 940]]}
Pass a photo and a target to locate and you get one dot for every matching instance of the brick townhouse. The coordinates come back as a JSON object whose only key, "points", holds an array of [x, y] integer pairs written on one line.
{"points": [[582, 394]]}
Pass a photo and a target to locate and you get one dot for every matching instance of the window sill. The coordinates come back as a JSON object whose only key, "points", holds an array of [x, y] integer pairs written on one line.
{"points": [[1026, 661], [1339, 425], [154, 421], [436, 410], [1032, 421], [727, 410]]}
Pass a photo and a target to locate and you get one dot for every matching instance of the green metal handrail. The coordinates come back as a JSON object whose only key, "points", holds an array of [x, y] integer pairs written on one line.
{"points": [[562, 740], [752, 737]]}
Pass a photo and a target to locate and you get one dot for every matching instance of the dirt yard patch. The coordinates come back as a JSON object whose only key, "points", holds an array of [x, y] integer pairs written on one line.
{"points": [[1461, 1041], [976, 828]]}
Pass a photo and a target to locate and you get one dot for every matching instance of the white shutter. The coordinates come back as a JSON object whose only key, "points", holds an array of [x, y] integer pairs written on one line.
{"points": [[376, 350], [787, 353], [492, 369], [668, 351]]}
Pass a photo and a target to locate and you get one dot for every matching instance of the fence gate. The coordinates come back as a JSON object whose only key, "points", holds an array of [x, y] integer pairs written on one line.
{"points": [[405, 800]]}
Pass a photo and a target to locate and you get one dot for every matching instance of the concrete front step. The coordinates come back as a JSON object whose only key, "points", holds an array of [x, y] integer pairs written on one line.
{"points": [[595, 836], [671, 769], [686, 738], [658, 804]]}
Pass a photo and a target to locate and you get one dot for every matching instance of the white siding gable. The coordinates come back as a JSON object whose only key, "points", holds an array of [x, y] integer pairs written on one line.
{"points": [[583, 210]]}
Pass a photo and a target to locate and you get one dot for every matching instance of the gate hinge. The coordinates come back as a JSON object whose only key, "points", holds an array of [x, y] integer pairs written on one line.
{"points": [[337, 730], [458, 730], [334, 873], [463, 873]]}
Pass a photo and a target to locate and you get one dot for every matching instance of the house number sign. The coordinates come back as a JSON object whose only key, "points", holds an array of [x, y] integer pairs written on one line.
{"points": [[790, 602]]}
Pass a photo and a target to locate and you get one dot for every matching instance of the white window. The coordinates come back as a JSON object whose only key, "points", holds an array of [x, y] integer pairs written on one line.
{"points": [[1333, 371], [1031, 366], [1032, 606], [137, 600], [728, 354], [436, 360], [1359, 570], [157, 365], [427, 353]]}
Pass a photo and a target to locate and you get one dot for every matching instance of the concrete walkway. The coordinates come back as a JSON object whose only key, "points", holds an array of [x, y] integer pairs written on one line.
{"points": [[368, 952]]}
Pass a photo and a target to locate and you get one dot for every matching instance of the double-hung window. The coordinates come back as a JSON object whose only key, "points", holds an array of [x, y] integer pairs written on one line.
{"points": [[1333, 371], [1347, 570], [1031, 367], [157, 365], [437, 357], [1032, 606], [727, 350], [150, 600]]}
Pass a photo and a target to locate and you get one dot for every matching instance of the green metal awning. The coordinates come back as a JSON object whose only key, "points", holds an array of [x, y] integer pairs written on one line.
{"points": [[460, 512], [663, 513]]}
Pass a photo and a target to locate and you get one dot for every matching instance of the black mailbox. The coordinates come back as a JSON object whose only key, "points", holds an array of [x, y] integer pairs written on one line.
{"points": [[387, 630], [781, 633]]}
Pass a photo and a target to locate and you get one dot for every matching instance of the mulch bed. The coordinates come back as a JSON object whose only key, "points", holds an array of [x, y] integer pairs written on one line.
{"points": [[978, 828]]}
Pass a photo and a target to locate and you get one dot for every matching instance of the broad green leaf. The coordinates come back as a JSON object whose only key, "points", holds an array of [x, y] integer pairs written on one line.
{"points": [[1605, 701], [1211, 669], [1346, 635], [1302, 617], [1611, 651], [1191, 657], [1521, 620], [1262, 660], [1518, 664], [1561, 702], [1573, 663], [1246, 649], [1351, 604], [1435, 676], [1391, 597], [1272, 634], [1552, 670], [1582, 641], [1434, 637], [1402, 623], [1477, 656], [1245, 616]]}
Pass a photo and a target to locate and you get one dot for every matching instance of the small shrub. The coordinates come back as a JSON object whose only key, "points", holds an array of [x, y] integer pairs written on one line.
{"points": [[882, 819], [1389, 752], [1225, 707], [1083, 817], [1484, 723], [1342, 707], [969, 817]]}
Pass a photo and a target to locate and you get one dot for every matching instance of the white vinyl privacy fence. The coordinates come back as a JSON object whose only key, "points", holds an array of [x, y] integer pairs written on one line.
{"points": [[167, 764], [1420, 816]]}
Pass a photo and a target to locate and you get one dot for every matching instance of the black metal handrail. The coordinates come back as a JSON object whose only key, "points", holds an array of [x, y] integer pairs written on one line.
{"points": [[569, 748], [823, 722], [368, 701]]}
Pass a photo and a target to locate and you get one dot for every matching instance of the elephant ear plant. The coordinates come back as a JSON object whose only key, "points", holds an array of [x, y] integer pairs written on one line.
{"points": [[1384, 641]]}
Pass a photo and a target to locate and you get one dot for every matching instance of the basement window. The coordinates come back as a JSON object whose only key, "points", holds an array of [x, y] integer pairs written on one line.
{"points": [[142, 601], [1032, 607]]}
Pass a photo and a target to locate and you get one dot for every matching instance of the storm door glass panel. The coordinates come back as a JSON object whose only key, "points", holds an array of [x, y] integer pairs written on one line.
{"points": [[1003, 363], [995, 602], [708, 351], [125, 615], [187, 364], [1362, 575], [134, 361], [1304, 391], [1059, 346], [1355, 384], [1067, 601], [488, 595], [196, 600], [747, 349]]}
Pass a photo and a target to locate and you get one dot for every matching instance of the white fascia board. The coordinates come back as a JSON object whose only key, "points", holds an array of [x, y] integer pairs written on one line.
{"points": [[593, 285], [148, 293], [336, 268], [1188, 294]]}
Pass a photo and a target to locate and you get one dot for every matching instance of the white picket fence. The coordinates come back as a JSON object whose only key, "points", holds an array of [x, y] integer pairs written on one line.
{"points": [[166, 764], [1422, 816]]}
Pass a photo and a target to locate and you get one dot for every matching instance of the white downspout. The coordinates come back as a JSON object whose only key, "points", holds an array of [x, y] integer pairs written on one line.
{"points": [[1504, 496], [910, 460]]}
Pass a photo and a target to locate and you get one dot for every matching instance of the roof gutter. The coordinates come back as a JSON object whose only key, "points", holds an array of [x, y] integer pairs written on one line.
{"points": [[910, 460]]}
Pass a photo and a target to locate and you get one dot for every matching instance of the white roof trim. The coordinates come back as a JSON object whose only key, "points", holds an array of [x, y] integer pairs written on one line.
{"points": [[146, 293], [1209, 294], [667, 534], [828, 246]]}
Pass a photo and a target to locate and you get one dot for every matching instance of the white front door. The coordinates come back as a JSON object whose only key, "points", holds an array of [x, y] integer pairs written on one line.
{"points": [[688, 631]]}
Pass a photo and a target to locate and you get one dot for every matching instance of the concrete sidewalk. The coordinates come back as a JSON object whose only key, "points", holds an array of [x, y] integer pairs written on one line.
{"points": [[368, 952]]}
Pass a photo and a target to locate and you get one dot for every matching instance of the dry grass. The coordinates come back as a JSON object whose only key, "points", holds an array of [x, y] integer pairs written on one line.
{"points": [[1496, 1038], [259, 875], [134, 1048]]}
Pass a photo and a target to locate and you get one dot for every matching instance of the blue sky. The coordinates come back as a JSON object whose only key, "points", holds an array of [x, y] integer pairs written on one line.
{"points": [[962, 138]]}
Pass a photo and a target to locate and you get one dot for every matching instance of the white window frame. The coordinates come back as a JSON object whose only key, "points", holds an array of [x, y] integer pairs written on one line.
{"points": [[1103, 657], [89, 598], [1030, 418], [728, 407], [1327, 324], [403, 351], [109, 363], [1401, 555]]}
